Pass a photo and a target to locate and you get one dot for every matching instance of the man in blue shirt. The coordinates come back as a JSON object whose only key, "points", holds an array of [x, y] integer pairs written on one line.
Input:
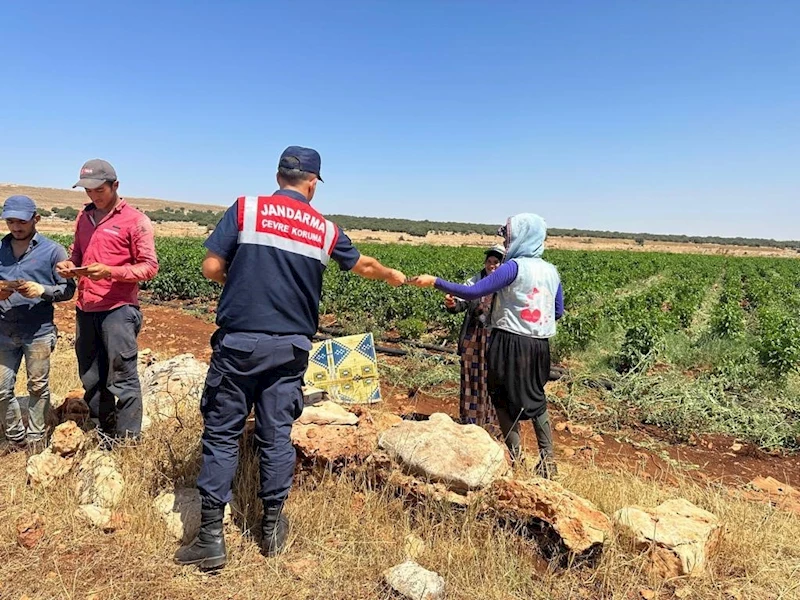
{"points": [[29, 286], [270, 253]]}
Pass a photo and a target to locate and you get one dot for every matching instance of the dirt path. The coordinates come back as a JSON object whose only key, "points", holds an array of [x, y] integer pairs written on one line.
{"points": [[166, 331]]}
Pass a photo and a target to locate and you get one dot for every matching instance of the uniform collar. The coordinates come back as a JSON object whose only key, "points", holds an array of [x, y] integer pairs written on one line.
{"points": [[292, 194]]}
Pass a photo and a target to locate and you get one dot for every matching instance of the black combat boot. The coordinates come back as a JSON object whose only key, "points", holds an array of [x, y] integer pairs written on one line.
{"points": [[207, 551], [274, 529]]}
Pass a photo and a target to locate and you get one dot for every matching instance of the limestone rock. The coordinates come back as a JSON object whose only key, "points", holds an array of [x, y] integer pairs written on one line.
{"points": [[47, 466], [67, 439], [96, 515], [30, 529], [680, 536], [413, 546], [339, 445], [381, 466], [169, 384], [104, 519], [327, 413], [770, 485], [146, 358], [73, 408], [380, 420], [573, 523], [463, 457], [333, 445], [781, 494], [413, 582], [580, 430], [99, 481], [180, 511], [100, 487]]}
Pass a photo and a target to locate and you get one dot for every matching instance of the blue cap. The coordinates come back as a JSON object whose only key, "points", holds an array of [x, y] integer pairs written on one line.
{"points": [[301, 159], [18, 207]]}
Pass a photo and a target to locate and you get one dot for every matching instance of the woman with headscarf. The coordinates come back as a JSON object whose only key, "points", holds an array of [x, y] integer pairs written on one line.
{"points": [[475, 406], [528, 299]]}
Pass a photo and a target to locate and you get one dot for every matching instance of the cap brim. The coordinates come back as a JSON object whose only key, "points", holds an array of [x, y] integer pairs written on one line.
{"points": [[89, 184], [17, 214]]}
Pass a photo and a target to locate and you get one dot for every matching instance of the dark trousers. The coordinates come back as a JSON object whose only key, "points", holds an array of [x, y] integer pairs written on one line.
{"points": [[105, 343], [519, 368], [541, 427], [251, 369]]}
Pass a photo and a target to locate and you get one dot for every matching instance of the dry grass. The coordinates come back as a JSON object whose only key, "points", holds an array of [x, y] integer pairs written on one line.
{"points": [[346, 532]]}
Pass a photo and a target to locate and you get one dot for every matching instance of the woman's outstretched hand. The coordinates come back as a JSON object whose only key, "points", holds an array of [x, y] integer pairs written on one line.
{"points": [[422, 281]]}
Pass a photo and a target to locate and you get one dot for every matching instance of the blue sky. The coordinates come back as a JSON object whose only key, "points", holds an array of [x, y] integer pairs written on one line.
{"points": [[672, 117]]}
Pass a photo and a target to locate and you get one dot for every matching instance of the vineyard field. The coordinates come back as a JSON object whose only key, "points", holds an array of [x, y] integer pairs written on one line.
{"points": [[690, 343]]}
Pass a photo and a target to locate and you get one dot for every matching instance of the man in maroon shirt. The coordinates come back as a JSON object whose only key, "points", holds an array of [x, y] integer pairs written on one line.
{"points": [[114, 250]]}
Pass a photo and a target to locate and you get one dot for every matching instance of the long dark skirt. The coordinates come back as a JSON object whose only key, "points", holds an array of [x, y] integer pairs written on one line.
{"points": [[475, 406], [519, 368]]}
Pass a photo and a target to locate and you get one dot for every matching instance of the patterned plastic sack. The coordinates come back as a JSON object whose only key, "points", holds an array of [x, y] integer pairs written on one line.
{"points": [[346, 368]]}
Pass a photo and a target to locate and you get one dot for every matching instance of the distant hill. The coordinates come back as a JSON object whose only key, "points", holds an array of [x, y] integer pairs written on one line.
{"points": [[421, 228], [208, 215], [158, 210], [52, 197]]}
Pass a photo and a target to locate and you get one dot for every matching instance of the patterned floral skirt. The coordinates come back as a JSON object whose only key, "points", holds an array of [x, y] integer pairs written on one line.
{"points": [[476, 406]]}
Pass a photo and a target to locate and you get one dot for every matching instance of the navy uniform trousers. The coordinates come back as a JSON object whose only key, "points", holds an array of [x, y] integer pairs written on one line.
{"points": [[251, 369]]}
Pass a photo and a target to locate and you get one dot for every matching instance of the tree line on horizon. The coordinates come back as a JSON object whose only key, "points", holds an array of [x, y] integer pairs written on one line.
{"points": [[422, 228], [209, 219]]}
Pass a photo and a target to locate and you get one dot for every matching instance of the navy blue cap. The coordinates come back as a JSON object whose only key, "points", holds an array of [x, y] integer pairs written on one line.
{"points": [[19, 207], [301, 159]]}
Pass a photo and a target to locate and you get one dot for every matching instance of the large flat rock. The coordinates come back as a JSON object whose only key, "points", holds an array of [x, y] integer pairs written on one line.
{"points": [[463, 457]]}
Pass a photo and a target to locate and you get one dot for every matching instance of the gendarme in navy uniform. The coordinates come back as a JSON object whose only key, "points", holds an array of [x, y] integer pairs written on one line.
{"points": [[270, 252]]}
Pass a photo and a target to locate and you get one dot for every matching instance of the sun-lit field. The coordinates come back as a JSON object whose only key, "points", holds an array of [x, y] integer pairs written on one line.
{"points": [[693, 344]]}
